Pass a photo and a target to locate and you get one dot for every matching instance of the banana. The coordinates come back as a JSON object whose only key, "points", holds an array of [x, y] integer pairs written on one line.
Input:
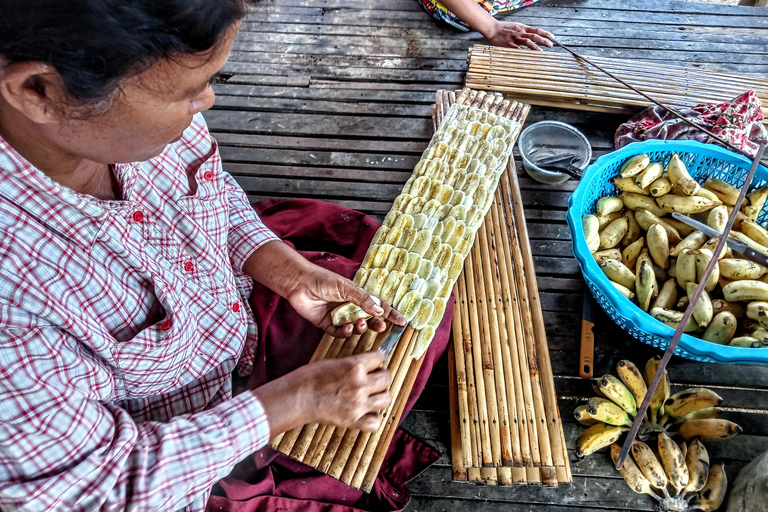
{"points": [[754, 202], [608, 204], [636, 201], [681, 227], [409, 304], [606, 411], [711, 245], [656, 407], [702, 312], [673, 318], [697, 462], [726, 192], [632, 378], [645, 286], [617, 272], [591, 226], [347, 313], [630, 253], [423, 314], [624, 290], [702, 257], [746, 291], [403, 288], [685, 204], [660, 187], [613, 233], [604, 220], [745, 342], [721, 329], [685, 268], [717, 218], [693, 241], [651, 173], [629, 185], [679, 176], [755, 231], [673, 461], [751, 243], [615, 390], [633, 229], [687, 401], [712, 495], [708, 430], [703, 192], [644, 257], [649, 465], [389, 288], [398, 259], [645, 219], [596, 437], [634, 166], [631, 473], [658, 245], [740, 218], [407, 240], [608, 254], [667, 296], [413, 264], [738, 269], [582, 416]]}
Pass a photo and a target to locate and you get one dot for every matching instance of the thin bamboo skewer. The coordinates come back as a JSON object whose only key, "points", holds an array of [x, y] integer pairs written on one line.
{"points": [[472, 391], [458, 451], [459, 377]]}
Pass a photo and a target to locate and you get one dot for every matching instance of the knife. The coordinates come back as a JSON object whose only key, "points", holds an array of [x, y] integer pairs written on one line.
{"points": [[392, 338], [736, 245], [587, 352], [557, 159]]}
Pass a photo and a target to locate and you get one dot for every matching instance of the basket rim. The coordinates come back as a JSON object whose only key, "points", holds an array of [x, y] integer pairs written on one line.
{"points": [[630, 311]]}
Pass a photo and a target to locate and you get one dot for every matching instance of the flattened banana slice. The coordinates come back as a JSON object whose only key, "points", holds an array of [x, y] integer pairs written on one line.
{"points": [[421, 168], [457, 235], [477, 167], [442, 212], [498, 132], [436, 274], [457, 198], [423, 240], [491, 163], [485, 128], [432, 289], [434, 167], [417, 188], [423, 341], [425, 269], [424, 314], [475, 217], [471, 184], [441, 172], [449, 224], [434, 247], [407, 239], [444, 194], [370, 255], [361, 276], [483, 149], [375, 281], [409, 305], [404, 221], [438, 150], [443, 259], [431, 224], [413, 263], [414, 206], [391, 217], [482, 199], [452, 176], [438, 230], [418, 285], [398, 259], [473, 127], [381, 255], [458, 212], [347, 313], [430, 207], [455, 268], [419, 221], [451, 155], [378, 238], [498, 148], [390, 286], [461, 180], [393, 236], [403, 288], [445, 291], [463, 162], [437, 314]]}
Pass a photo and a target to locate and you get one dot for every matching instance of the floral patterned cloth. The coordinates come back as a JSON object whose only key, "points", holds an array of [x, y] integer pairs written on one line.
{"points": [[737, 121], [495, 7]]}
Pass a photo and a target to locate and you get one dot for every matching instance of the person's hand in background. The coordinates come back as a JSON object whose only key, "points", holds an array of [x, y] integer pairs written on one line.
{"points": [[516, 35]]}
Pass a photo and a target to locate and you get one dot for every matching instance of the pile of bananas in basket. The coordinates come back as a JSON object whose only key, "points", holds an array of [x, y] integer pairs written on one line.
{"points": [[657, 261], [678, 475]]}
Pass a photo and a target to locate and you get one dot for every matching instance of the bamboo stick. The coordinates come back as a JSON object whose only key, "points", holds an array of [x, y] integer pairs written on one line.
{"points": [[459, 377], [458, 451], [472, 391]]}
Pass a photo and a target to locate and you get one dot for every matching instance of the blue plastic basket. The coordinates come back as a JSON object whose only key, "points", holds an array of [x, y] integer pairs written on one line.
{"points": [[703, 161]]}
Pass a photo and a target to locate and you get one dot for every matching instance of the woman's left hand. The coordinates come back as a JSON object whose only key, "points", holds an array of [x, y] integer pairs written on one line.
{"points": [[322, 290]]}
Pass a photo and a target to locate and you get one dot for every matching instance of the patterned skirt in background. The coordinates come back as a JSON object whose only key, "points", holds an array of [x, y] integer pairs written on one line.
{"points": [[494, 7]]}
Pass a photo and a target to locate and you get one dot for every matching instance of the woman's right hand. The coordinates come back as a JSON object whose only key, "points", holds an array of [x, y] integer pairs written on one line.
{"points": [[349, 392], [516, 35]]}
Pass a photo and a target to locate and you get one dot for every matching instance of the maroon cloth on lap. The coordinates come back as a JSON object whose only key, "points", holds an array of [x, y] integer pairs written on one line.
{"points": [[335, 238]]}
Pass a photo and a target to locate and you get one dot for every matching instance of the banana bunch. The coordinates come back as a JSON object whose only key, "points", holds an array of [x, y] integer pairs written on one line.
{"points": [[418, 253], [689, 414], [678, 476], [657, 261]]}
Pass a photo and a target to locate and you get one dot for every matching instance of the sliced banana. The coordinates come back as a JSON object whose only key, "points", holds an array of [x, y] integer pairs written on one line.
{"points": [[409, 305], [415, 206], [422, 242], [430, 207], [393, 236], [403, 288], [403, 199], [382, 254], [397, 260], [414, 262], [425, 269], [423, 315], [390, 286]]}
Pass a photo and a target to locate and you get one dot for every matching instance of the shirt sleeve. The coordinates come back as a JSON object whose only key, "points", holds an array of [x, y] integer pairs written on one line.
{"points": [[62, 449], [246, 230]]}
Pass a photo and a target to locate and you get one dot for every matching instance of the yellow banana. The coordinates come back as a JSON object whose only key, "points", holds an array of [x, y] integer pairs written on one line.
{"points": [[681, 227], [673, 461], [604, 220], [606, 411], [645, 286], [617, 272], [687, 401], [745, 342], [708, 429], [737, 309], [673, 318], [633, 229], [727, 193], [685, 268], [608, 254], [608, 204], [702, 257], [613, 233], [667, 295], [712, 495], [624, 290], [711, 245], [746, 291], [390, 286], [645, 219], [758, 310], [630, 253], [718, 217], [651, 173], [754, 202], [738, 269], [697, 462], [755, 231], [615, 390], [637, 201], [707, 413], [679, 176], [347, 313], [703, 192], [631, 473], [591, 226], [721, 329], [582, 416], [751, 243], [702, 312], [629, 185], [693, 241], [660, 187], [685, 204], [658, 245], [649, 465], [634, 166], [632, 378], [656, 407], [596, 437]]}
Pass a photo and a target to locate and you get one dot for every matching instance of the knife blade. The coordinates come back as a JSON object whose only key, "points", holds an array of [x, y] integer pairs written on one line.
{"points": [[736, 245], [392, 338], [587, 352], [558, 159]]}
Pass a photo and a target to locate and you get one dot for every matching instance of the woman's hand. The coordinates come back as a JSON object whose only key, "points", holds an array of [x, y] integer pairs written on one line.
{"points": [[319, 291], [347, 392], [515, 35]]}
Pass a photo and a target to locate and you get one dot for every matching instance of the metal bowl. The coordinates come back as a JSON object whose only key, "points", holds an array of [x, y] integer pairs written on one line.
{"points": [[551, 138]]}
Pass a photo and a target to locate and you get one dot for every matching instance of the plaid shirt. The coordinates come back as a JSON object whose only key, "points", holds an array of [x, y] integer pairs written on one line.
{"points": [[120, 324]]}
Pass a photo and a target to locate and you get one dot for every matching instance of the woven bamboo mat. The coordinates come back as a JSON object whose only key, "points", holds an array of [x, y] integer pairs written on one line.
{"points": [[559, 80]]}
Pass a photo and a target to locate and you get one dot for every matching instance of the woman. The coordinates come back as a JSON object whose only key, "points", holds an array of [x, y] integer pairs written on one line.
{"points": [[126, 263]]}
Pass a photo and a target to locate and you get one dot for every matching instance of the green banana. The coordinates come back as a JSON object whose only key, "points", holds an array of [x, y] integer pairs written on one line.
{"points": [[606, 411], [656, 407], [615, 390], [632, 378]]}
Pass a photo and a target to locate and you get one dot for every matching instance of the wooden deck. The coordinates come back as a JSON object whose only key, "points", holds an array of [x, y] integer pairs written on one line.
{"points": [[330, 99]]}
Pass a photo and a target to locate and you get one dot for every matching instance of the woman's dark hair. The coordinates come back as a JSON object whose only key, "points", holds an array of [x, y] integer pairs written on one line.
{"points": [[94, 44]]}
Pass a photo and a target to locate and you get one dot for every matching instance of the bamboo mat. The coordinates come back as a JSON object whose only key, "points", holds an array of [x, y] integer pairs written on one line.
{"points": [[560, 80], [352, 456], [505, 422]]}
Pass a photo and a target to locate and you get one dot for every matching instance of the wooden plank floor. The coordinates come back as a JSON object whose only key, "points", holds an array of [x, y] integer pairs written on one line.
{"points": [[330, 99]]}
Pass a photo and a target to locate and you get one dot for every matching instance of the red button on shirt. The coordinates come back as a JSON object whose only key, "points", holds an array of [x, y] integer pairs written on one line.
{"points": [[189, 266], [208, 175], [138, 216], [165, 324], [236, 307]]}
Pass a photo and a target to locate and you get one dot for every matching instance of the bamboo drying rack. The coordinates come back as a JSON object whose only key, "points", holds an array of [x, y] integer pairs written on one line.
{"points": [[352, 456], [505, 423], [558, 80]]}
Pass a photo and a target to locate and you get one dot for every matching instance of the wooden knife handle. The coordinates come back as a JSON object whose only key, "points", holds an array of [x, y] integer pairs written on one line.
{"points": [[587, 349]]}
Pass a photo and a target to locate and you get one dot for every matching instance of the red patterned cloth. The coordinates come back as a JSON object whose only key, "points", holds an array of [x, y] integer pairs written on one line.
{"points": [[737, 121], [336, 238]]}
